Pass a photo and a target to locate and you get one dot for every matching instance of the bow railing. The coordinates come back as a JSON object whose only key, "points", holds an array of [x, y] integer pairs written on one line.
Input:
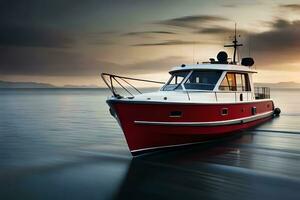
{"points": [[112, 81]]}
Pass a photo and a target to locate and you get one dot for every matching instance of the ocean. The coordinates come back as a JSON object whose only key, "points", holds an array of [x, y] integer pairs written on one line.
{"points": [[63, 144]]}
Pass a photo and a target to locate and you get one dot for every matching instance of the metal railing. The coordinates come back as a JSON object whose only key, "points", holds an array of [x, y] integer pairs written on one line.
{"points": [[115, 82], [112, 81], [262, 92]]}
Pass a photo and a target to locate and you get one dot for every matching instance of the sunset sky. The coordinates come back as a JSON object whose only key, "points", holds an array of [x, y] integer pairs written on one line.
{"points": [[73, 41]]}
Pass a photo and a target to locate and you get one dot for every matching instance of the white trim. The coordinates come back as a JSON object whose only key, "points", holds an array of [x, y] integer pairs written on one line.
{"points": [[212, 123], [185, 79], [134, 101], [167, 146], [181, 83], [216, 89], [208, 66]]}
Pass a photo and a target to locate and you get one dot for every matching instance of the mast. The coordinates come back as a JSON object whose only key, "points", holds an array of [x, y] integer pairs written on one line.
{"points": [[234, 45]]}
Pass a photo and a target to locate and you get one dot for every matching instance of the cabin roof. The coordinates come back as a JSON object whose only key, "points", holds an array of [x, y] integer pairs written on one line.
{"points": [[223, 67]]}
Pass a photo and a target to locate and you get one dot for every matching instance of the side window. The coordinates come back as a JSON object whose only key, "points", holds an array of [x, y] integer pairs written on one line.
{"points": [[228, 83], [235, 82], [175, 80], [224, 84], [232, 81], [202, 80], [240, 82], [246, 82]]}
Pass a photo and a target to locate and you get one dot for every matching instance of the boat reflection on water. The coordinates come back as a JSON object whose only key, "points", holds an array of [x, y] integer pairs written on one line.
{"points": [[175, 174], [249, 165], [223, 170]]}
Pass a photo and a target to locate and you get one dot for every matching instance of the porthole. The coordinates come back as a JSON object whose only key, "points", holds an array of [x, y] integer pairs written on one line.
{"points": [[253, 109], [224, 111], [175, 114]]}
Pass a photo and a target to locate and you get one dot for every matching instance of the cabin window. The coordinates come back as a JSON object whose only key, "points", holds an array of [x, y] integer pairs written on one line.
{"points": [[242, 82], [175, 80], [228, 83], [239, 82], [235, 82], [202, 80]]}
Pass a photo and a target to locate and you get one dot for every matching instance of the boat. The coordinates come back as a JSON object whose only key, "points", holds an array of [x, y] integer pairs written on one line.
{"points": [[199, 103]]}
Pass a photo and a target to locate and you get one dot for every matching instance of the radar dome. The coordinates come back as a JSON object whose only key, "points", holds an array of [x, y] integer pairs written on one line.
{"points": [[222, 57]]}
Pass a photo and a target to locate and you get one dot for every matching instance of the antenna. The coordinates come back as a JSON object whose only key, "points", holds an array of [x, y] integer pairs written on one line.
{"points": [[193, 52], [234, 45], [249, 45]]}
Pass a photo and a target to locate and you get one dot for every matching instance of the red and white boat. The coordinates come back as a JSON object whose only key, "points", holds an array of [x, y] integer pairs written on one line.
{"points": [[198, 103]]}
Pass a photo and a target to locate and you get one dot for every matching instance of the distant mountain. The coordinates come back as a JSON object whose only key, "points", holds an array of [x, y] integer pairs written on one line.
{"points": [[81, 86], [289, 84], [7, 84]]}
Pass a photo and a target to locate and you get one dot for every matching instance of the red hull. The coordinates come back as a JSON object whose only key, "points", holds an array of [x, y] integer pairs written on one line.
{"points": [[149, 126]]}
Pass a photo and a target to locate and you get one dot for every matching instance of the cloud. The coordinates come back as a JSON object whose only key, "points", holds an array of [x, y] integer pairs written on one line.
{"points": [[280, 24], [283, 36], [152, 66], [219, 33], [142, 33], [175, 42], [291, 7], [193, 21], [34, 40], [39, 12], [60, 63], [219, 30], [30, 36], [274, 49], [100, 38], [229, 5], [50, 62], [277, 47]]}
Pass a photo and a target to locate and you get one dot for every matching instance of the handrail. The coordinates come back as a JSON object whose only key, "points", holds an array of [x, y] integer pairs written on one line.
{"points": [[259, 92], [124, 79], [262, 92]]}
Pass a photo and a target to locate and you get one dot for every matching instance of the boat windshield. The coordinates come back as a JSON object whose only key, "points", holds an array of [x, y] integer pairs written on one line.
{"points": [[202, 80], [175, 81]]}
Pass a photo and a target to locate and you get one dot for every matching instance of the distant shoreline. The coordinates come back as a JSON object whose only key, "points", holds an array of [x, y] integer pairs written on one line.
{"points": [[51, 88], [35, 85]]}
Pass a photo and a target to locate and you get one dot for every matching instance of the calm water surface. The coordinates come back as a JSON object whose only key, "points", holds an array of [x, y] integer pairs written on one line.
{"points": [[63, 144]]}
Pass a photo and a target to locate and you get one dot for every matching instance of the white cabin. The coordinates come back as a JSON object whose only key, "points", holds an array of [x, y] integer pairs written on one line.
{"points": [[205, 83]]}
